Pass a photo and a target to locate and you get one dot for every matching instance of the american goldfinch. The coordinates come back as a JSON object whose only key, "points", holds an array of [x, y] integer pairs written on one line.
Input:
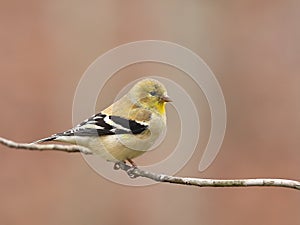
{"points": [[127, 128]]}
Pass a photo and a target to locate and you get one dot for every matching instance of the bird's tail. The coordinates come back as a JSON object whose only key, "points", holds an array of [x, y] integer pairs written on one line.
{"points": [[51, 138]]}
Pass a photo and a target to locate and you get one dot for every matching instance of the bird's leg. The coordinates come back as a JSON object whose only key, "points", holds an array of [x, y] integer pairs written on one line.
{"points": [[132, 169], [132, 163]]}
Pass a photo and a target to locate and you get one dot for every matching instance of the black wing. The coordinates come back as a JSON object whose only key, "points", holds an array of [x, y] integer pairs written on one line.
{"points": [[101, 124]]}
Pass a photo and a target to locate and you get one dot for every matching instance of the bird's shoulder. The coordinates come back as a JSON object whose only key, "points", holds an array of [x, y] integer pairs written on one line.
{"points": [[125, 108]]}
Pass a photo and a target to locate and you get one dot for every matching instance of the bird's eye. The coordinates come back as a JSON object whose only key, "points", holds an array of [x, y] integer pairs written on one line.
{"points": [[152, 93]]}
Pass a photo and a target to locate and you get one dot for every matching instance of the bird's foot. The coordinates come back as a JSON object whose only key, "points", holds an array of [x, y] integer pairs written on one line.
{"points": [[130, 170], [120, 165]]}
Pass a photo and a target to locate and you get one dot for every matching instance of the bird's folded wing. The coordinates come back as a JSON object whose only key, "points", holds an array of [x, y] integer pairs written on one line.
{"points": [[102, 124]]}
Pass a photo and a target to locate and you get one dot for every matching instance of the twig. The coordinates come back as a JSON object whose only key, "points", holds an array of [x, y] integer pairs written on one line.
{"points": [[135, 172], [39, 147]]}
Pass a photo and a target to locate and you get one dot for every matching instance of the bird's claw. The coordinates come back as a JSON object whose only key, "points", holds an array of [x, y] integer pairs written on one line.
{"points": [[132, 172], [119, 165]]}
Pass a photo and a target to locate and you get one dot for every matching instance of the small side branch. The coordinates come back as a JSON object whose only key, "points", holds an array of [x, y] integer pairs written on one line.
{"points": [[135, 172]]}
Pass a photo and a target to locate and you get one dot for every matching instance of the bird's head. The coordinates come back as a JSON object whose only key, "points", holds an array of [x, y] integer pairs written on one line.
{"points": [[150, 94]]}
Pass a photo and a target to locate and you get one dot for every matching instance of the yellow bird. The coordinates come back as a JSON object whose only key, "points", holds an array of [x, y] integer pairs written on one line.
{"points": [[127, 128]]}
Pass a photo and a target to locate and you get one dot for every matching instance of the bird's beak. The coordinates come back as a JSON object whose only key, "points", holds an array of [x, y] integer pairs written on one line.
{"points": [[166, 98]]}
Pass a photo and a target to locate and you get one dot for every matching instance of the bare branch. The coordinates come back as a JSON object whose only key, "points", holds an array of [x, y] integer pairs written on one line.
{"points": [[134, 172], [39, 147]]}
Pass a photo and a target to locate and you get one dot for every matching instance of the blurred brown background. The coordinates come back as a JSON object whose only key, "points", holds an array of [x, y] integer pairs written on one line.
{"points": [[252, 47]]}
